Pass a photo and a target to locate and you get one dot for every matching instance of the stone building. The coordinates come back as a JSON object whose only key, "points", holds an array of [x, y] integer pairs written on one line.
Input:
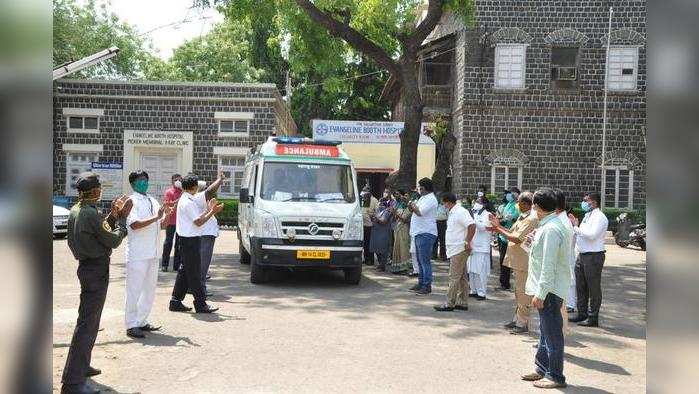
{"points": [[115, 127], [523, 87]]}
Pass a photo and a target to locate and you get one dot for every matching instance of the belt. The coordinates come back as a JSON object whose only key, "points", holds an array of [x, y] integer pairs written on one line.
{"points": [[586, 253]]}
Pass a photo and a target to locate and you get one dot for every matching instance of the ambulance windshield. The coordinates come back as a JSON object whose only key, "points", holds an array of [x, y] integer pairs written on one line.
{"points": [[331, 183]]}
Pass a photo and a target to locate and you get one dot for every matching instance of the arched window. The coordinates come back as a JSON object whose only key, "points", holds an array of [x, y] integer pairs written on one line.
{"points": [[618, 185], [507, 169]]}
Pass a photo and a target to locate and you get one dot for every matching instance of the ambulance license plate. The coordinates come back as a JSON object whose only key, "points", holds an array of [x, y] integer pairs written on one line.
{"points": [[313, 254]]}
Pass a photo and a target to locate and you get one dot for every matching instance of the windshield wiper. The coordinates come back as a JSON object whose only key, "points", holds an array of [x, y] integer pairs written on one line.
{"points": [[299, 199], [333, 199]]}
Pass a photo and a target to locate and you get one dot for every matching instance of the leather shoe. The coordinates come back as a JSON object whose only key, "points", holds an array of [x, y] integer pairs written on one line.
{"points": [[443, 308], [480, 298], [424, 291], [415, 288], [461, 307], [82, 388], [178, 306], [473, 295], [577, 318], [206, 309], [590, 322], [148, 327], [135, 332], [92, 372], [510, 325], [519, 330]]}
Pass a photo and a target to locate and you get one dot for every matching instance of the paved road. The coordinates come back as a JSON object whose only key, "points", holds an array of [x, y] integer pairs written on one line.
{"points": [[309, 332]]}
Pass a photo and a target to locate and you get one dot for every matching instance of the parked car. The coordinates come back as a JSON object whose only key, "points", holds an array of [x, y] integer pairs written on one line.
{"points": [[60, 221]]}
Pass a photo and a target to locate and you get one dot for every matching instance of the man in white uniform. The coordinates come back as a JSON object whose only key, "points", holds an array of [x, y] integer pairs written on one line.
{"points": [[588, 267], [209, 233], [479, 260], [143, 224], [457, 239]]}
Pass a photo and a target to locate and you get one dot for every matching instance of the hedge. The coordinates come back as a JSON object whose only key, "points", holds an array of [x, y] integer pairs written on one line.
{"points": [[229, 215]]}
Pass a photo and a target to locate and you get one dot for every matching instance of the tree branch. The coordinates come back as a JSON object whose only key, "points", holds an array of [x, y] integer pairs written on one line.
{"points": [[355, 39], [434, 14]]}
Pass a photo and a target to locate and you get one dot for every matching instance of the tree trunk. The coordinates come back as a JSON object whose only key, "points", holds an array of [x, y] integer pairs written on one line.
{"points": [[446, 152], [412, 104]]}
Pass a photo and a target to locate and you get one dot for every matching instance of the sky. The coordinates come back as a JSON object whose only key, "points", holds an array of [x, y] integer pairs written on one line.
{"points": [[147, 15]]}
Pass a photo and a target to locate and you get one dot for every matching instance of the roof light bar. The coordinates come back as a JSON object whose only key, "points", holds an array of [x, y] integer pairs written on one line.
{"points": [[305, 141]]}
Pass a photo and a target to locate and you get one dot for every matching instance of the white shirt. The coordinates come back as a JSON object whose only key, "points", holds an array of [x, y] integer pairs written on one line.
{"points": [[591, 232], [481, 240], [142, 244], [211, 225], [427, 222], [188, 209], [458, 221]]}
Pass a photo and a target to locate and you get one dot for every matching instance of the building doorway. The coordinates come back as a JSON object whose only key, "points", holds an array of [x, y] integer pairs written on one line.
{"points": [[376, 179]]}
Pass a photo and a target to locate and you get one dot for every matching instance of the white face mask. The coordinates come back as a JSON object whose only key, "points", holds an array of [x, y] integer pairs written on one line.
{"points": [[477, 206], [480, 194], [178, 184]]}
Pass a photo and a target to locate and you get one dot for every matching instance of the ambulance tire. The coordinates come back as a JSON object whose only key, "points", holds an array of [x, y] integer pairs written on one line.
{"points": [[244, 255], [353, 275], [258, 274]]}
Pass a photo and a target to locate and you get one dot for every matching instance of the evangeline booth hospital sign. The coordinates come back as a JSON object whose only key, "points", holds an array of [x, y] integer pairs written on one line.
{"points": [[350, 131]]}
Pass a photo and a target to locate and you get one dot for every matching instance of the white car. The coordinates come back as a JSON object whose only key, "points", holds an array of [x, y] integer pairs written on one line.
{"points": [[60, 221]]}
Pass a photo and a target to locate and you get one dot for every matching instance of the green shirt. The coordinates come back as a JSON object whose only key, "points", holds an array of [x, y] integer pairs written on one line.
{"points": [[89, 235], [510, 213], [549, 267]]}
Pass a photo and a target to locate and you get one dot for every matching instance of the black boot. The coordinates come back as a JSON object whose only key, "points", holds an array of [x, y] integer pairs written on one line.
{"points": [[590, 322], [578, 318]]}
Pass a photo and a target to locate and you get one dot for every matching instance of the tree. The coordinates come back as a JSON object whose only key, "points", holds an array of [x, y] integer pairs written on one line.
{"points": [[80, 31], [381, 30]]}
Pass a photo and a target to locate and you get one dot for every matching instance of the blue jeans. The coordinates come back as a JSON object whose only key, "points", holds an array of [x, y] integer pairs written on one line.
{"points": [[549, 355], [424, 242]]}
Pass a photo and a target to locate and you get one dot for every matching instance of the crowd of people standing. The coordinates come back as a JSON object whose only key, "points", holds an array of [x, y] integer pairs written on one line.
{"points": [[556, 259]]}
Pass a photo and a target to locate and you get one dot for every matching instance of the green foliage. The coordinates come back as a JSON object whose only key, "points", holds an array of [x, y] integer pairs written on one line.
{"points": [[80, 31], [229, 215]]}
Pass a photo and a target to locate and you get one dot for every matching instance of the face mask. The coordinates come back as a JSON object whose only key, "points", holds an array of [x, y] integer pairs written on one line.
{"points": [[585, 206], [178, 184], [140, 186], [509, 197], [480, 194], [477, 206]]}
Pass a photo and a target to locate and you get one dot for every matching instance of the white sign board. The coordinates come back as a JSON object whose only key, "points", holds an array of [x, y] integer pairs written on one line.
{"points": [[363, 132], [165, 139], [111, 177]]}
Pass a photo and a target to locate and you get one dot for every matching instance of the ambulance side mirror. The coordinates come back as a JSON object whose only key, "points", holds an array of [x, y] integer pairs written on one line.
{"points": [[244, 195]]}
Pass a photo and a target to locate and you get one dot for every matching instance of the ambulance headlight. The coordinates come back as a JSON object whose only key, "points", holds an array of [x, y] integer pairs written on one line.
{"points": [[265, 225]]}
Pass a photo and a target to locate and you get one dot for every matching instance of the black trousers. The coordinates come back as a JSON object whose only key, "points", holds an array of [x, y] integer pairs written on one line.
{"points": [[505, 272], [94, 280], [441, 243], [171, 235], [368, 256], [588, 282], [189, 275]]}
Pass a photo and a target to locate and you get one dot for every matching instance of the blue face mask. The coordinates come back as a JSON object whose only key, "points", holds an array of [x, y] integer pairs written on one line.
{"points": [[140, 186], [509, 197], [585, 206]]}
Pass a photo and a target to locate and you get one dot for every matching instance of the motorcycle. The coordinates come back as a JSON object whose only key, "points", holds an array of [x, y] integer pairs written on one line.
{"points": [[628, 233]]}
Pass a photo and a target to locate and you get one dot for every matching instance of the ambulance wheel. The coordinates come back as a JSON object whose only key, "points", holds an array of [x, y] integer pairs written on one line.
{"points": [[257, 273], [244, 255], [353, 275]]}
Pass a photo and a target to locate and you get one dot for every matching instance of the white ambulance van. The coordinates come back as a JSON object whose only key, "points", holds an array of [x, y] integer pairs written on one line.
{"points": [[299, 207]]}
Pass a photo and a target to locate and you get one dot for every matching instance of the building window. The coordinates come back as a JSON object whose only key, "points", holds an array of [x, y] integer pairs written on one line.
{"points": [[510, 66], [83, 120], [622, 70], [564, 68], [76, 163], [618, 187], [505, 177], [233, 124], [233, 168]]}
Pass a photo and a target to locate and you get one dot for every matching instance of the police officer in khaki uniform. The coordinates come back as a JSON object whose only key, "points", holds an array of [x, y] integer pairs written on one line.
{"points": [[517, 259], [91, 238]]}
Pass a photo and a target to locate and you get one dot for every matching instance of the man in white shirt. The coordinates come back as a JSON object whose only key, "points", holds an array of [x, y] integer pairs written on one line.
{"points": [[479, 260], [590, 233], [143, 224], [423, 226], [209, 233], [457, 238], [190, 218]]}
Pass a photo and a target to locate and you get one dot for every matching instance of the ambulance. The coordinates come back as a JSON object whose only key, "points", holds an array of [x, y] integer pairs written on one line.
{"points": [[299, 208]]}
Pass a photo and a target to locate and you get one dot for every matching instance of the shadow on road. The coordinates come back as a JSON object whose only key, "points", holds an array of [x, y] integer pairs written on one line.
{"points": [[596, 365]]}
